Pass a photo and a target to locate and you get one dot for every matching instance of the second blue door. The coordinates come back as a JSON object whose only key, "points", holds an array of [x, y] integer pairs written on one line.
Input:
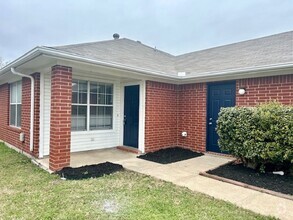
{"points": [[219, 95]]}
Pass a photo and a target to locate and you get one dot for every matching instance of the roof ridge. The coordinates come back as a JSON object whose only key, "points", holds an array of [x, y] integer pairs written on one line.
{"points": [[83, 44], [154, 48], [112, 40]]}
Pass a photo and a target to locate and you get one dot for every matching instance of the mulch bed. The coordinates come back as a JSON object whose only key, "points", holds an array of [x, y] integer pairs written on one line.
{"points": [[170, 155], [91, 171], [237, 172]]}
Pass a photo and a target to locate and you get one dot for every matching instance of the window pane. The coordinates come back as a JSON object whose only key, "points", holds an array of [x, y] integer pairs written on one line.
{"points": [[13, 115], [82, 86], [101, 117], [101, 88], [93, 117], [82, 118], [19, 92], [109, 99], [73, 118], [109, 89], [101, 111], [82, 98], [93, 98], [94, 88], [101, 99], [108, 117], [74, 85], [74, 110], [18, 124], [13, 91], [74, 97], [78, 118]]}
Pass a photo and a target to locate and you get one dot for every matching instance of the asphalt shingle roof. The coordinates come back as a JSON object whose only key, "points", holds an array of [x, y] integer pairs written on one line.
{"points": [[274, 49], [124, 51]]}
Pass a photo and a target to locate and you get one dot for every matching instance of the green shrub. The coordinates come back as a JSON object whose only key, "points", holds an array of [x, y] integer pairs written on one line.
{"points": [[259, 136]]}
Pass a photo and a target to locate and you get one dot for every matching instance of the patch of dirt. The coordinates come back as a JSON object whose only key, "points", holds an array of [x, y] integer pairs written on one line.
{"points": [[237, 172], [170, 155], [90, 171], [6, 191], [111, 206]]}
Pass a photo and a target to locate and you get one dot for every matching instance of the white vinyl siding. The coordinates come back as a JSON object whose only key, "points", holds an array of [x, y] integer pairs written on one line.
{"points": [[84, 140]]}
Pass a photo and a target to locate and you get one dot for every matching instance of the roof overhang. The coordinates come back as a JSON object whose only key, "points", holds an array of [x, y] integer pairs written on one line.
{"points": [[46, 55], [233, 74]]}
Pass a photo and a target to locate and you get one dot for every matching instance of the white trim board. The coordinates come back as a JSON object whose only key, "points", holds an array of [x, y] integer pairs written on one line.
{"points": [[41, 134], [141, 128]]}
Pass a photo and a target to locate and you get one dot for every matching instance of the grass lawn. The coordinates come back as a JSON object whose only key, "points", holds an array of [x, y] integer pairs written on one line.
{"points": [[27, 192]]}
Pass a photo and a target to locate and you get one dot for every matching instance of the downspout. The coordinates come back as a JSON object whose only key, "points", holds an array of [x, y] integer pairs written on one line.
{"points": [[32, 105]]}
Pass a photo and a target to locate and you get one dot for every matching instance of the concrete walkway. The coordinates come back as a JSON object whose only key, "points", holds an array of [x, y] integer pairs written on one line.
{"points": [[186, 173]]}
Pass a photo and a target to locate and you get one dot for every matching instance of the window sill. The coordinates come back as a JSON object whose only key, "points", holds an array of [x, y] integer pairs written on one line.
{"points": [[94, 131], [15, 129]]}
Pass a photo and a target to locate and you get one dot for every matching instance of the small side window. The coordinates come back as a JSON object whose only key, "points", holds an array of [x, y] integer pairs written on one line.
{"points": [[15, 104]]}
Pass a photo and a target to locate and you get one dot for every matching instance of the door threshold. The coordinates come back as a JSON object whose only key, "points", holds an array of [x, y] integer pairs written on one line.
{"points": [[129, 149]]}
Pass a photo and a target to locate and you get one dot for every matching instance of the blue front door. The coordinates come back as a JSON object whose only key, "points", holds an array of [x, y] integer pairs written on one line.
{"points": [[219, 95], [131, 116]]}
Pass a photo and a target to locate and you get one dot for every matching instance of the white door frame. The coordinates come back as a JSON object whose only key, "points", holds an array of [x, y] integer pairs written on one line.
{"points": [[141, 127]]}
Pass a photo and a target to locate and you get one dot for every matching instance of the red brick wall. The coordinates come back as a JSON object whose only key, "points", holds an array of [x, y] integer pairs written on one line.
{"points": [[263, 89], [25, 111], [60, 127], [10, 134], [161, 116], [4, 94], [192, 116], [171, 109]]}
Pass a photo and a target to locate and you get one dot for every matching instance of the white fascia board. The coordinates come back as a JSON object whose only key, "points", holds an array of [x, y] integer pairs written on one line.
{"points": [[236, 73], [21, 60]]}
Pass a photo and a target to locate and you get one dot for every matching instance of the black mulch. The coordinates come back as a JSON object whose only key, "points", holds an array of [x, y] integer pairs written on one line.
{"points": [[170, 155], [91, 171], [277, 183]]}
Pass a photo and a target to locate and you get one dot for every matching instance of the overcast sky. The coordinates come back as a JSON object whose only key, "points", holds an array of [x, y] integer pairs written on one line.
{"points": [[175, 26]]}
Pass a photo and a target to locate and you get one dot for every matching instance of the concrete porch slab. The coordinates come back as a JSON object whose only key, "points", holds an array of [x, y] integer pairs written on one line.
{"points": [[78, 159]]}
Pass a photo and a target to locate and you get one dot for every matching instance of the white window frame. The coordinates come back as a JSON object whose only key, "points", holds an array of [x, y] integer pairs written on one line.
{"points": [[95, 105], [18, 102]]}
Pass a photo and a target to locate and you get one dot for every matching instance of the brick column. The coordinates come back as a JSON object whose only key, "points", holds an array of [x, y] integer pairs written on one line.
{"points": [[36, 114], [60, 131]]}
